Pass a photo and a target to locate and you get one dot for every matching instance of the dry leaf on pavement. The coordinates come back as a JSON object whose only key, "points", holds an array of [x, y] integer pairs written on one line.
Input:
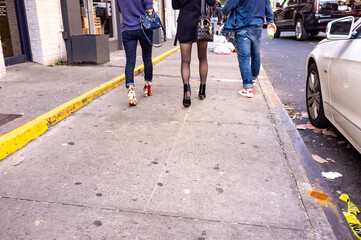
{"points": [[17, 160], [319, 159]]}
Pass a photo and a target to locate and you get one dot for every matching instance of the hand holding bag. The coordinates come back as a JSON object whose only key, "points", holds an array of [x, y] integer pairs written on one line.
{"points": [[150, 22], [204, 26]]}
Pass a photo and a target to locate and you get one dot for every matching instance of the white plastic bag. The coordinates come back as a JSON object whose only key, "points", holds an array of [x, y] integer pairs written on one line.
{"points": [[222, 49]]}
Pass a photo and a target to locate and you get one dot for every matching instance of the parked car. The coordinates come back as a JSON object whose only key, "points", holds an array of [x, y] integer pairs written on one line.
{"points": [[333, 89], [309, 17]]}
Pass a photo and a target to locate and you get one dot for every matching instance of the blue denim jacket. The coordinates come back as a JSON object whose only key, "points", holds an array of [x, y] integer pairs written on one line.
{"points": [[246, 13]]}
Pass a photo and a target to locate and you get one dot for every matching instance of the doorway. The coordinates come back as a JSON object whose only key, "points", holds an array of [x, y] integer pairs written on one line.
{"points": [[14, 32]]}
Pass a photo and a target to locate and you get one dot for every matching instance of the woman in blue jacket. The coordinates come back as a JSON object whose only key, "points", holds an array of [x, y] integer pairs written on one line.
{"points": [[190, 11], [131, 33]]}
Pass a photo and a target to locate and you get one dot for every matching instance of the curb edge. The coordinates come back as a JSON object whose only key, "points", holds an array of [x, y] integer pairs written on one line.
{"points": [[333, 213]]}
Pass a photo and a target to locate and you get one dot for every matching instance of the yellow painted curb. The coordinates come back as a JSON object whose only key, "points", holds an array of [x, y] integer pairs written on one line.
{"points": [[18, 138]]}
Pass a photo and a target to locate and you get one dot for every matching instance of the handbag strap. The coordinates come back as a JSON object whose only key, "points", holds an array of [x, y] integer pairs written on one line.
{"points": [[203, 7], [150, 42]]}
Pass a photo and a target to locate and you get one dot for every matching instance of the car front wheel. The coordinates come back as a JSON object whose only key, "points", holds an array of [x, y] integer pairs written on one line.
{"points": [[301, 33], [314, 99]]}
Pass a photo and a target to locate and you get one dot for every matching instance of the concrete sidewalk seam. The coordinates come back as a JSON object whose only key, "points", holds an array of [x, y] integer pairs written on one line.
{"points": [[152, 213], [18, 138]]}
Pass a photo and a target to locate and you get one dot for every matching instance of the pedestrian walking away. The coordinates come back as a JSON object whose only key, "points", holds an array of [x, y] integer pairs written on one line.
{"points": [[132, 33], [246, 19], [190, 11]]}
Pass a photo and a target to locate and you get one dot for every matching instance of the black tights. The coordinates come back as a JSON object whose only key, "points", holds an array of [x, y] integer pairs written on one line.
{"points": [[186, 52]]}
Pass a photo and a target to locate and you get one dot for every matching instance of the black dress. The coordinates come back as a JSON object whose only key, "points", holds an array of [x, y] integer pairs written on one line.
{"points": [[190, 11]]}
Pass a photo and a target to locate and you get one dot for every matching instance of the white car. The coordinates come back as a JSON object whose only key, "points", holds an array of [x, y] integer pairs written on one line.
{"points": [[333, 89]]}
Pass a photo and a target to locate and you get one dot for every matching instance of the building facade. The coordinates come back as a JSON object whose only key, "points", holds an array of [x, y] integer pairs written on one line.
{"points": [[44, 31]]}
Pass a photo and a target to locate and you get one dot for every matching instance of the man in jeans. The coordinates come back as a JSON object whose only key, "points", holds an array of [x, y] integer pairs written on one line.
{"points": [[246, 19], [132, 33]]}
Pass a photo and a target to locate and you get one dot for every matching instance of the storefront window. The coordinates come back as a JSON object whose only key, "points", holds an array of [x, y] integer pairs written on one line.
{"points": [[102, 11], [9, 31]]}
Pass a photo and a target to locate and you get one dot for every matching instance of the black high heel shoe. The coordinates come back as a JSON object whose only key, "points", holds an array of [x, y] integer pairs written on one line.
{"points": [[187, 95], [202, 92]]}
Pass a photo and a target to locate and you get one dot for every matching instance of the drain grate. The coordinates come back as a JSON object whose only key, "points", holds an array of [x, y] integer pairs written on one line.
{"points": [[5, 118]]}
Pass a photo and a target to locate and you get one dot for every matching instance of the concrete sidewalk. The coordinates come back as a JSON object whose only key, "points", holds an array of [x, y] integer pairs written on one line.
{"points": [[225, 168]]}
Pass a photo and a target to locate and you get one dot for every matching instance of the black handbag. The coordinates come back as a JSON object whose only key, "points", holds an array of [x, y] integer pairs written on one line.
{"points": [[204, 26], [150, 22]]}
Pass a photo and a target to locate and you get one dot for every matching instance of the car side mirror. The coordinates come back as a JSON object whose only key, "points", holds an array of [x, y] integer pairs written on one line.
{"points": [[340, 28]]}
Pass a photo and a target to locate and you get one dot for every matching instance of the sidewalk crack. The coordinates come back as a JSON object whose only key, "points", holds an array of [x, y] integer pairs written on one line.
{"points": [[154, 214]]}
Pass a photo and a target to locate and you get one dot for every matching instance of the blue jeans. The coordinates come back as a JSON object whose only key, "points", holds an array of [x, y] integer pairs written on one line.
{"points": [[130, 41], [248, 42]]}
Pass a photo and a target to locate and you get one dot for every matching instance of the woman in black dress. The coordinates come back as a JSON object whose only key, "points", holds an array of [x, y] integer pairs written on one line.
{"points": [[190, 11]]}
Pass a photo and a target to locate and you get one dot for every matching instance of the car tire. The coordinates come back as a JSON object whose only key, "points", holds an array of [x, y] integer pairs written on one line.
{"points": [[314, 100], [300, 31]]}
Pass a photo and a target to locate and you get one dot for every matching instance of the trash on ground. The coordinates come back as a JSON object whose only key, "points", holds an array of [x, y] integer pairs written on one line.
{"points": [[342, 142], [17, 160], [300, 115], [220, 45], [304, 115], [351, 215], [305, 126], [331, 175]]}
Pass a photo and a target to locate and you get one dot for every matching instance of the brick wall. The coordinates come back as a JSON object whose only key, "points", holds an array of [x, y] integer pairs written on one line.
{"points": [[45, 29], [2, 62]]}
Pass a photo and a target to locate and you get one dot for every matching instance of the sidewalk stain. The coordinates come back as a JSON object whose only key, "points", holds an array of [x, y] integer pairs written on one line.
{"points": [[319, 195]]}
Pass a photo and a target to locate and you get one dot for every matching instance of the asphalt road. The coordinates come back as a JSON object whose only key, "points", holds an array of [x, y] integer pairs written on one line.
{"points": [[284, 60]]}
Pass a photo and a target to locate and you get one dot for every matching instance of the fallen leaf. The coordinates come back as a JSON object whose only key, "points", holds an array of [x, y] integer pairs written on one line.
{"points": [[341, 142], [17, 160], [329, 133]]}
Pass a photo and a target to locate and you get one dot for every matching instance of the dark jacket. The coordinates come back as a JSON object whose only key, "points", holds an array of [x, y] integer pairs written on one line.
{"points": [[246, 13], [190, 11], [131, 11]]}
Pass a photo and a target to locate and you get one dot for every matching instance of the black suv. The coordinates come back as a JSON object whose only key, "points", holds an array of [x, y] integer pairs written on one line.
{"points": [[309, 17]]}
